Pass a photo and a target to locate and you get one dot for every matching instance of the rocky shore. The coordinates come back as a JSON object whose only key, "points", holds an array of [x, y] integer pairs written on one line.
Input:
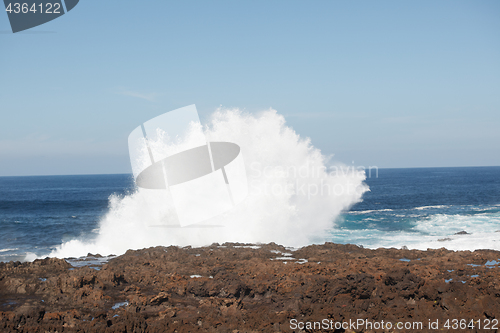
{"points": [[254, 288]]}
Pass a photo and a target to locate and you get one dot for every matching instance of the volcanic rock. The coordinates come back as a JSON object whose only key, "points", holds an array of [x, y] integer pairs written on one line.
{"points": [[251, 288]]}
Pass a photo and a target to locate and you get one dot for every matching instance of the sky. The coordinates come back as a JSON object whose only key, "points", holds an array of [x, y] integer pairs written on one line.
{"points": [[375, 83]]}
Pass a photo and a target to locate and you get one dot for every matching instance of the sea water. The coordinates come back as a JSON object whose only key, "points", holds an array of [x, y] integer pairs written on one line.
{"points": [[37, 213], [296, 197], [425, 208]]}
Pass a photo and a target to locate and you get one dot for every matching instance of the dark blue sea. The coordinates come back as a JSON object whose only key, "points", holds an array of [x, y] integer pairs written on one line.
{"points": [[38, 213], [456, 208]]}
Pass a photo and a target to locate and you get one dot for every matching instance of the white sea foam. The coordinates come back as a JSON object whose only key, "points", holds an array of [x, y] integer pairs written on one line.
{"points": [[357, 212], [254, 247], [292, 199], [119, 305], [432, 232], [431, 207], [6, 250]]}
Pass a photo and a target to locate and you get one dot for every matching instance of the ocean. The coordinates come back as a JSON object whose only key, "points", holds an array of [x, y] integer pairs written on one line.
{"points": [[38, 213], [455, 208]]}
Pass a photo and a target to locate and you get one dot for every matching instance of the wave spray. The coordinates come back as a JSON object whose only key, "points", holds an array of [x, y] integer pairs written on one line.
{"points": [[293, 195]]}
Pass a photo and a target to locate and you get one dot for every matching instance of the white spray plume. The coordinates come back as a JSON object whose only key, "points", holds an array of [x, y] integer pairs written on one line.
{"points": [[293, 197]]}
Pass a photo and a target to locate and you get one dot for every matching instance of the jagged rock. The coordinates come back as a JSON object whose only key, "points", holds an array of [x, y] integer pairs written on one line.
{"points": [[244, 288]]}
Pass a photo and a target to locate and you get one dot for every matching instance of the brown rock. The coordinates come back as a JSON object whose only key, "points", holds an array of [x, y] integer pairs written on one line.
{"points": [[243, 289]]}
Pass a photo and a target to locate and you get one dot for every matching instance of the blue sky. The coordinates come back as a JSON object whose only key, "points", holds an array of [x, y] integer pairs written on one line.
{"points": [[380, 83]]}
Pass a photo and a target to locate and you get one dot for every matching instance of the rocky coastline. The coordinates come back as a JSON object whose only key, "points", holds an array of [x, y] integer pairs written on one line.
{"points": [[254, 288]]}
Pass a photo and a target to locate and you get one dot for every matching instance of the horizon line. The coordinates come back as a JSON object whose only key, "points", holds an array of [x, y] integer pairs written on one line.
{"points": [[130, 174]]}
